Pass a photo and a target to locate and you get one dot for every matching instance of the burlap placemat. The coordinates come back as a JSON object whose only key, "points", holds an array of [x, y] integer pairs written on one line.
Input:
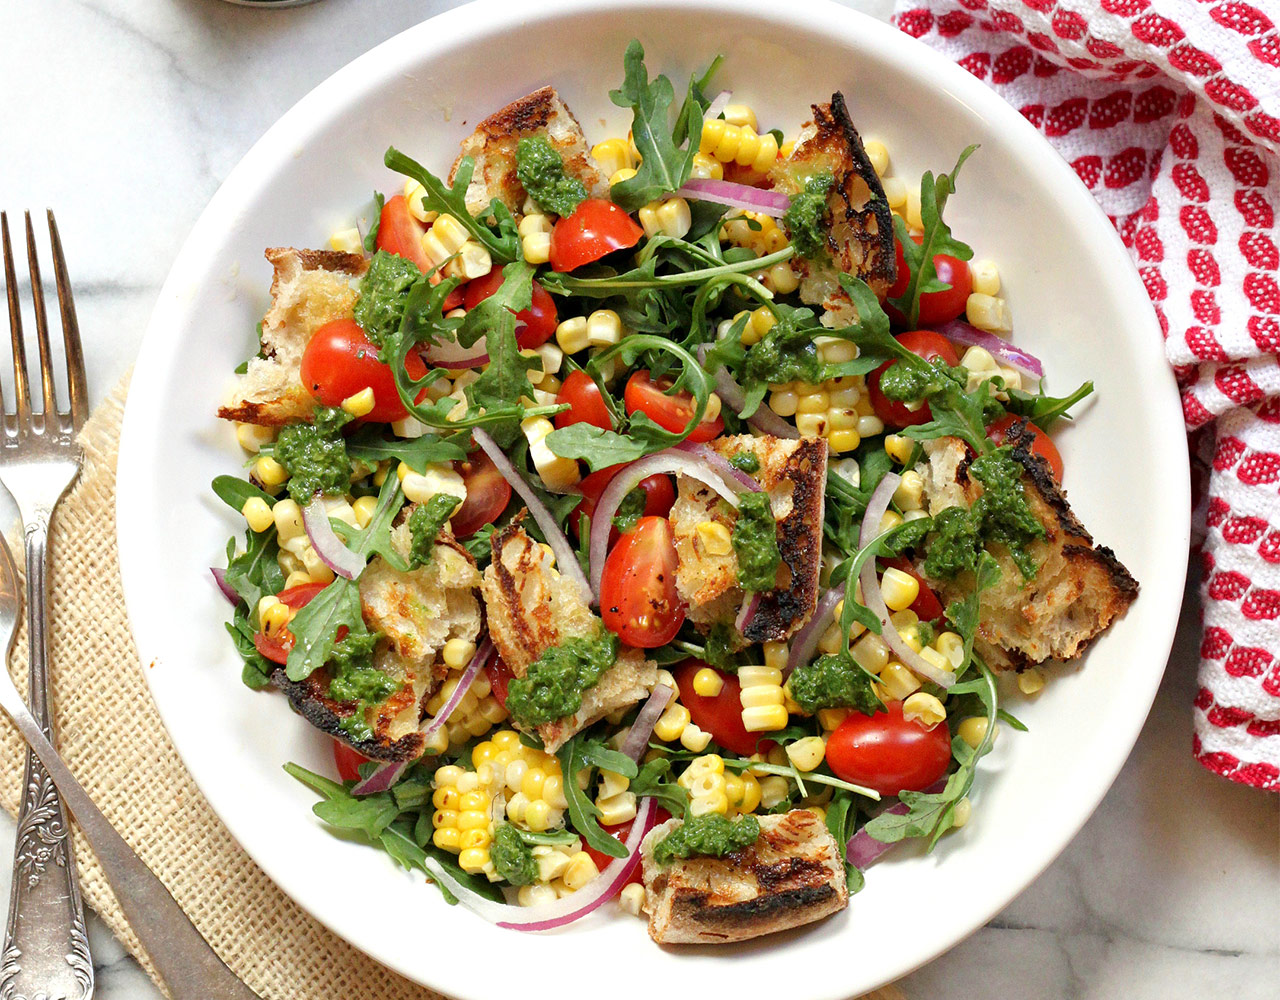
{"points": [[111, 737]]}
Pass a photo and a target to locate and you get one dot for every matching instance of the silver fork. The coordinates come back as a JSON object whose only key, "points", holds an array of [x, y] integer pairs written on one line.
{"points": [[39, 459]]}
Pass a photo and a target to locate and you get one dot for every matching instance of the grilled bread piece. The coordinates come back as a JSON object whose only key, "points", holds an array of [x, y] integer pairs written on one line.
{"points": [[1078, 590], [792, 875], [860, 238], [309, 289], [794, 473], [532, 608], [493, 147]]}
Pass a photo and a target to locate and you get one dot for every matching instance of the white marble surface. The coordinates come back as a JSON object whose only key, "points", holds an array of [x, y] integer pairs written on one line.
{"points": [[125, 115]]}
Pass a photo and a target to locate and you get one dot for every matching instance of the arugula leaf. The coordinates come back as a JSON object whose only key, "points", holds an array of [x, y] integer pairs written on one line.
{"points": [[1043, 410], [595, 753], [506, 377], [368, 445], [651, 782], [235, 492], [842, 821], [582, 811], [371, 237], [957, 413], [256, 673], [255, 572]]}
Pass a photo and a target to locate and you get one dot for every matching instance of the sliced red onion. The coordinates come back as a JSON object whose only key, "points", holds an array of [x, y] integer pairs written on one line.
{"points": [[716, 108], [228, 591], [676, 460], [1003, 351], [863, 848], [479, 361], [569, 908], [451, 354], [637, 740], [744, 196], [874, 600], [386, 775], [750, 605], [731, 394], [737, 479], [566, 560], [329, 547], [805, 642]]}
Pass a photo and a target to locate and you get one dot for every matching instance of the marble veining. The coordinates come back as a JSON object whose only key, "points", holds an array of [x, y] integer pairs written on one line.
{"points": [[124, 115]]}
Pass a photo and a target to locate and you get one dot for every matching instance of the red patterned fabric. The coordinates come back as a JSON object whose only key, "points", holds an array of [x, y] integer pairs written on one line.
{"points": [[1169, 111]]}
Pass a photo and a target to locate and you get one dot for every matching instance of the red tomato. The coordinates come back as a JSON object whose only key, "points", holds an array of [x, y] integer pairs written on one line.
{"points": [[928, 345], [659, 496], [596, 228], [1041, 443], [586, 405], [638, 597], [672, 412], [499, 675], [301, 595], [535, 325], [720, 716], [888, 752], [348, 761], [620, 832], [276, 649], [926, 606], [339, 361], [936, 307], [488, 494], [400, 233]]}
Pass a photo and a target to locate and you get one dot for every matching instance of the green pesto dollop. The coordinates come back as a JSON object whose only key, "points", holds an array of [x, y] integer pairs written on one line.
{"points": [[512, 858], [805, 217], [315, 455], [354, 678], [707, 835], [384, 290], [833, 681], [630, 510], [424, 526], [755, 541], [745, 461], [541, 170], [908, 382], [786, 353], [552, 686], [1001, 515]]}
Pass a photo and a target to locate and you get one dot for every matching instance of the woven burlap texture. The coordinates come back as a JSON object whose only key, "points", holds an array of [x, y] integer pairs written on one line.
{"points": [[113, 740]]}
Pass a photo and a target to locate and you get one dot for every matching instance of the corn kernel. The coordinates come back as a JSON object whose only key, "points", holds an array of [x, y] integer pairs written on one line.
{"points": [[571, 335], [273, 615], [973, 730], [714, 538], [741, 114], [414, 192], [695, 739], [257, 512], [672, 722], [473, 860], [625, 174], [807, 753], [536, 248], [985, 276], [615, 809], [359, 404], [582, 869], [347, 241], [782, 278], [961, 813], [447, 838], [612, 155], [899, 681], [830, 718], [895, 193], [912, 214], [707, 168], [988, 312], [871, 653], [878, 155], [951, 646], [843, 440], [457, 653], [251, 437], [811, 425], [899, 589], [773, 789], [269, 472], [631, 899], [708, 682], [1030, 681], [870, 426], [604, 328], [924, 708], [764, 718], [784, 403]]}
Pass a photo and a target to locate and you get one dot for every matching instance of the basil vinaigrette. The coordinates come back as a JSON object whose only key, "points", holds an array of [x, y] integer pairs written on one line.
{"points": [[552, 686]]}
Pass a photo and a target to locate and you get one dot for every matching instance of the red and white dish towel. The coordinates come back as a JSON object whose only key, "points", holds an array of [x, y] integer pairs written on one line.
{"points": [[1169, 111]]}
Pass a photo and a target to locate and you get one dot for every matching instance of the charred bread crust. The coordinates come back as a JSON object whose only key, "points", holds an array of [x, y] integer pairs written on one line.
{"points": [[522, 116], [309, 700], [314, 260], [524, 638]]}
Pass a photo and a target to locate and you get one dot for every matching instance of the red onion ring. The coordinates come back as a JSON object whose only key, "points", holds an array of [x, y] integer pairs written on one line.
{"points": [[1015, 357], [744, 196], [732, 395], [462, 364], [750, 605], [332, 551], [737, 479], [874, 600], [451, 354], [228, 591], [569, 908], [806, 640], [638, 738], [566, 560]]}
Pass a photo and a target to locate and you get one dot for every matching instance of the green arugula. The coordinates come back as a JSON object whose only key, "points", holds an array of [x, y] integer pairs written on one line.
{"points": [[371, 237], [653, 780], [369, 445], [255, 572], [583, 813], [1044, 410], [235, 492], [842, 821]]}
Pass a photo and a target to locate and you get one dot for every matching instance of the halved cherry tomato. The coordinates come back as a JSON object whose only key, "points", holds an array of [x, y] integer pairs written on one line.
{"points": [[276, 648], [534, 326], [348, 761], [720, 716], [586, 405], [621, 831], [500, 676], [488, 494], [596, 228], [928, 345], [671, 412], [339, 361], [1041, 443], [926, 605], [659, 496], [936, 307], [401, 234], [888, 752], [638, 597]]}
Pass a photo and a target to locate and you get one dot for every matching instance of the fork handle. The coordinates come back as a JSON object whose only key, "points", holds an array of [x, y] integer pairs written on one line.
{"points": [[46, 949]]}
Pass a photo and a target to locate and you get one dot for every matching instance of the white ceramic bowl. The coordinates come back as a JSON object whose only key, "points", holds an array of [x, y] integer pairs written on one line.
{"points": [[1077, 302]]}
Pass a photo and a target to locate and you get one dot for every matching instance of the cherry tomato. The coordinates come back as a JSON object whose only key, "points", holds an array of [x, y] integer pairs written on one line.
{"points": [[488, 494], [928, 345], [720, 716], [596, 228], [672, 412], [620, 832], [500, 676], [534, 326], [926, 605], [942, 306], [888, 752], [348, 761], [638, 597], [400, 233], [586, 405], [339, 361], [659, 496], [276, 648], [1041, 443]]}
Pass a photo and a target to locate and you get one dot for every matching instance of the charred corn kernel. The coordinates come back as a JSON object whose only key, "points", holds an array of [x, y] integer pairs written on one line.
{"points": [[895, 193], [985, 276], [962, 812], [273, 615], [782, 278], [912, 207], [784, 403], [612, 155], [620, 808], [694, 739], [807, 753], [707, 682], [899, 681], [988, 312], [764, 718], [951, 646], [269, 472], [842, 441], [1030, 681], [842, 420], [741, 114], [257, 512], [878, 155], [714, 538], [625, 174], [898, 589], [924, 708], [773, 789], [815, 402], [830, 718], [347, 241], [671, 723], [812, 425], [571, 335], [631, 899], [359, 404], [910, 492], [973, 730], [457, 653], [536, 247], [871, 653], [251, 437], [604, 328], [870, 426], [707, 167]]}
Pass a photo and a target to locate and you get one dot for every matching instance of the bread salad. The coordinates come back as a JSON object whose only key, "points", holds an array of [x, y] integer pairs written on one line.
{"points": [[647, 522]]}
